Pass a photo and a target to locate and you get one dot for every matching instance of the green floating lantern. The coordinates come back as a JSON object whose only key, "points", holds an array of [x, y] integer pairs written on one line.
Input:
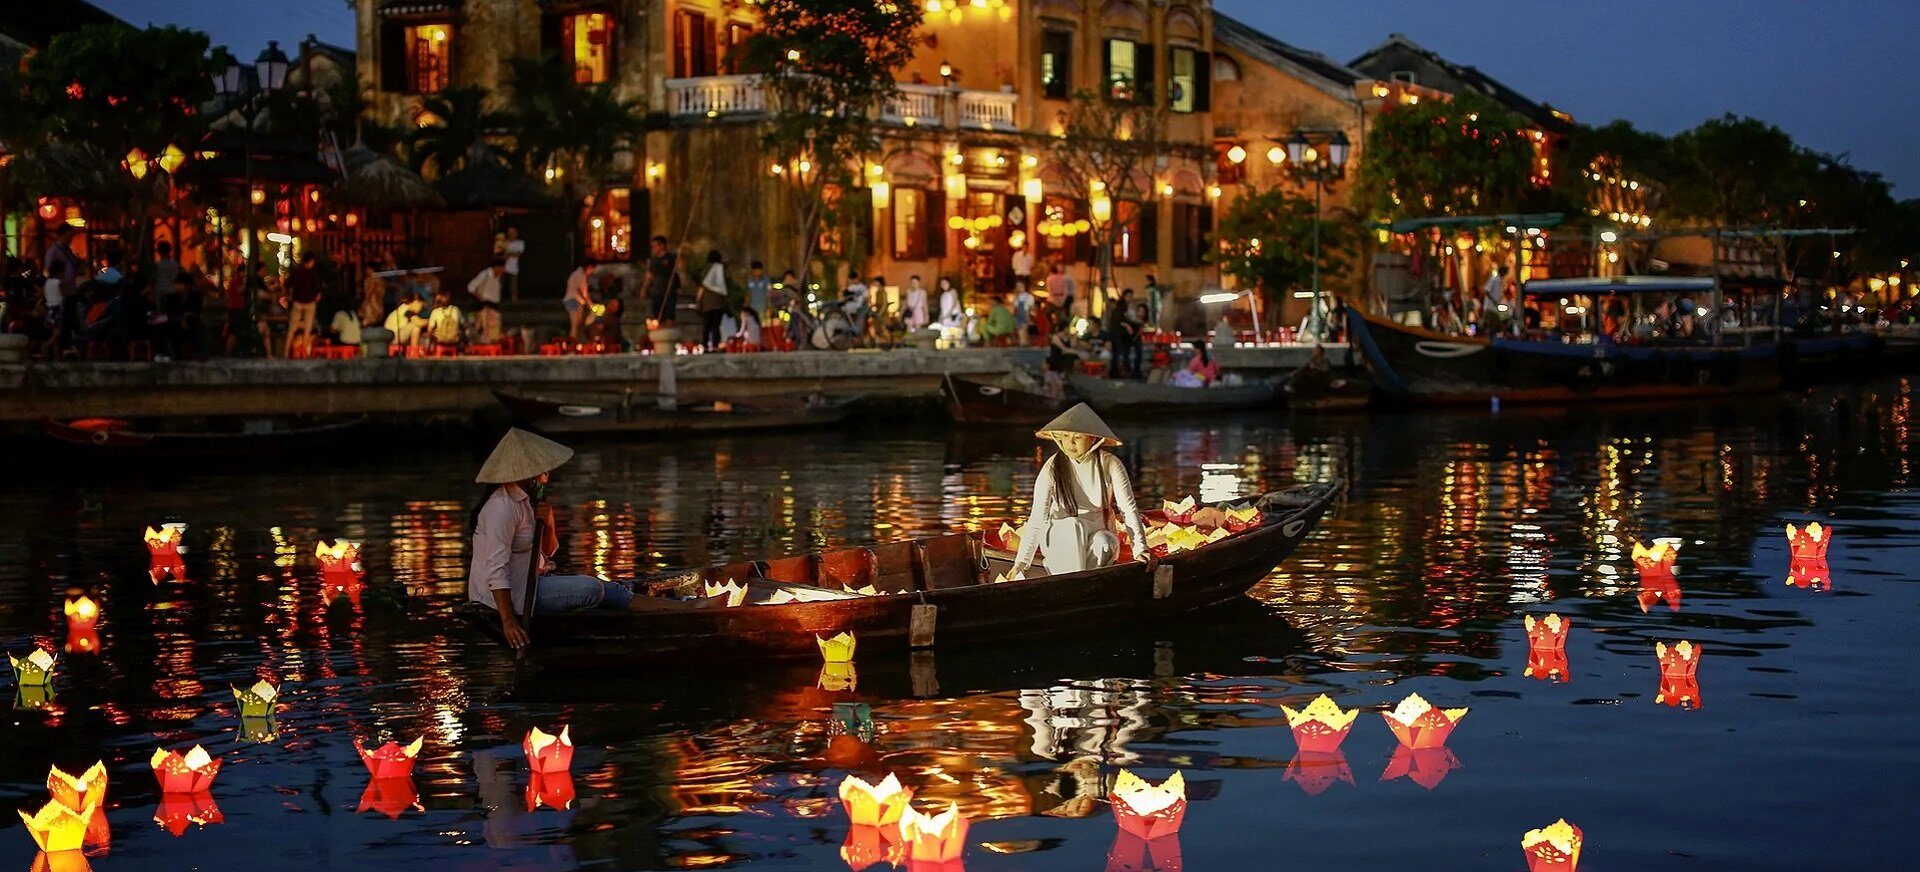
{"points": [[33, 670], [257, 701]]}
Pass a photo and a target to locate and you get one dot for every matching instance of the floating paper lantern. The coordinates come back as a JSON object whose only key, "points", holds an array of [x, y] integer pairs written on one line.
{"points": [[939, 838], [257, 701], [392, 796], [391, 760], [1547, 648], [838, 677], [547, 753], [166, 551], [340, 561], [1321, 726], [1147, 810], [35, 669], [1417, 724], [1658, 558], [176, 810], [1315, 771], [89, 788], [56, 827], [874, 805], [551, 789], [192, 772], [1426, 767], [837, 649], [1811, 574], [1553, 848], [1809, 542], [82, 612], [1679, 667]]}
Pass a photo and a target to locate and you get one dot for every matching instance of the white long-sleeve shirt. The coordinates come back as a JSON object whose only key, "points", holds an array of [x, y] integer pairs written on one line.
{"points": [[502, 546], [1086, 478]]}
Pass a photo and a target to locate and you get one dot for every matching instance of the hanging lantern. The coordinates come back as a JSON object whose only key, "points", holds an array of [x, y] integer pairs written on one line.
{"points": [[1146, 810], [176, 810], [171, 158], [166, 551], [547, 753], [866, 845], [257, 701], [390, 760], [1811, 574], [340, 561], [1810, 542], [1679, 680], [49, 209], [392, 796], [192, 772], [136, 163], [1426, 767], [35, 669], [1321, 726], [939, 838], [874, 805], [1315, 771], [551, 789], [57, 828], [838, 649], [1547, 648], [1554, 848], [1417, 724]]}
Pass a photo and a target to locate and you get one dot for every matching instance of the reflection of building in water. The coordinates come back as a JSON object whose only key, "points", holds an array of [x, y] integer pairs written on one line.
{"points": [[1078, 720]]}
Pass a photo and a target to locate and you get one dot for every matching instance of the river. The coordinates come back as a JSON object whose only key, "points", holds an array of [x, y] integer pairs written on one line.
{"points": [[1451, 528]]}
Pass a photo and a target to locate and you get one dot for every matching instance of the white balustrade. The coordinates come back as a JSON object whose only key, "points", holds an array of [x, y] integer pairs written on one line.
{"points": [[987, 110], [713, 96]]}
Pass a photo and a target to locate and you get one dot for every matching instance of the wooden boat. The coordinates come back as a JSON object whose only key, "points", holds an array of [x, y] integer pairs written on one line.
{"points": [[225, 436], [934, 592], [979, 401], [626, 414], [1121, 396], [1327, 390]]}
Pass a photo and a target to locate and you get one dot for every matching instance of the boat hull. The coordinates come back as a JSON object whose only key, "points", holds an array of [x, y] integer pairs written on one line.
{"points": [[972, 401], [621, 416], [1416, 365], [105, 438], [1121, 396]]}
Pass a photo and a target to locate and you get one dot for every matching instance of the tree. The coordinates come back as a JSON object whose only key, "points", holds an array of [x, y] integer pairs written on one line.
{"points": [[1109, 147], [559, 123], [828, 68], [1464, 156], [462, 122], [1738, 172], [1263, 241]]}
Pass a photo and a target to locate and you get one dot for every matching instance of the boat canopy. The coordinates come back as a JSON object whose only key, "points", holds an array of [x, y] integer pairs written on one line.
{"points": [[1518, 219], [1619, 285]]}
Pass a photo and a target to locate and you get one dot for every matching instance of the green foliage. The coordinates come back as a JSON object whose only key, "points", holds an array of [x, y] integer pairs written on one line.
{"points": [[1265, 240], [1465, 156], [556, 121], [465, 121], [1738, 172], [1115, 144]]}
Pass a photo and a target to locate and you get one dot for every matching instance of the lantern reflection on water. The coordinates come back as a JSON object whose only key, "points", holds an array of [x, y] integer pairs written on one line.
{"points": [[838, 677], [1417, 724], [260, 731], [934, 839], [60, 861], [192, 772], [1321, 726], [867, 845], [391, 796], [1809, 542], [35, 669], [548, 753], [56, 827], [28, 698], [1130, 853], [390, 760], [1426, 767], [1547, 648], [551, 789], [165, 552], [1679, 679], [1553, 848], [1147, 810], [1811, 574], [176, 810], [1315, 771]]}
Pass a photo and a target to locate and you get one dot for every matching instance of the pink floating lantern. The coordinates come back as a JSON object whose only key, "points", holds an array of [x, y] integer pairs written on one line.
{"points": [[1148, 810]]}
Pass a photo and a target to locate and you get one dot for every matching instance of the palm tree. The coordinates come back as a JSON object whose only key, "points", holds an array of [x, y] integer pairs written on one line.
{"points": [[558, 122], [460, 126]]}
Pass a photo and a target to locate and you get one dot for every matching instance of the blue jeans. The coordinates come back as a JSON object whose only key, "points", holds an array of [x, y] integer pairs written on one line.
{"points": [[574, 593]]}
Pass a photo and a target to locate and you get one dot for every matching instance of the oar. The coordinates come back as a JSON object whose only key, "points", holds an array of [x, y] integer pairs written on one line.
{"points": [[533, 577]]}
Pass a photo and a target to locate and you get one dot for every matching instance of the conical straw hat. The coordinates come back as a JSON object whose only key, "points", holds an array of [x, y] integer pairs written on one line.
{"points": [[520, 456], [1079, 419]]}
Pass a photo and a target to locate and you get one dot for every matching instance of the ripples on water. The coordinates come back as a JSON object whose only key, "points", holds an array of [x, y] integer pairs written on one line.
{"points": [[1452, 526]]}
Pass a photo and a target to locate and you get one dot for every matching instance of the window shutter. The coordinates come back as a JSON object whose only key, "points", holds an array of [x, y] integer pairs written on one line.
{"points": [[393, 56], [1202, 82], [553, 35], [934, 223], [1149, 233], [1106, 69], [1143, 73]]}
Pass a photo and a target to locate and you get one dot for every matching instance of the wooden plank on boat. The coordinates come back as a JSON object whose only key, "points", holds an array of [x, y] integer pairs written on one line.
{"points": [[1162, 581], [921, 671], [920, 624]]}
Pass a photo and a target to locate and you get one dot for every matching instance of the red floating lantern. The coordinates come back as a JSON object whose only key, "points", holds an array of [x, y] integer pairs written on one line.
{"points": [[165, 551], [177, 810], [1811, 574], [1146, 810], [1547, 648], [1426, 767], [1553, 848], [1315, 771], [867, 845], [1130, 853], [551, 789], [546, 753], [391, 760], [1679, 680], [340, 562], [1321, 726], [192, 772], [1417, 724], [392, 797], [1809, 542]]}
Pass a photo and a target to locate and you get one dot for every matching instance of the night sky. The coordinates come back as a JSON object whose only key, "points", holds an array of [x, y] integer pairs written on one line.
{"points": [[1836, 74]]}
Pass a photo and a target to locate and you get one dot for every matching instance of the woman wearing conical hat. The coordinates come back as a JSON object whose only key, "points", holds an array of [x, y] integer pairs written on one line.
{"points": [[1077, 491], [516, 476]]}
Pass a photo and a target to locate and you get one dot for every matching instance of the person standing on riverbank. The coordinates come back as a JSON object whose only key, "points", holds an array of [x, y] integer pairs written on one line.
{"points": [[303, 293], [578, 299], [758, 287], [663, 283], [485, 287], [511, 252], [713, 300], [914, 310]]}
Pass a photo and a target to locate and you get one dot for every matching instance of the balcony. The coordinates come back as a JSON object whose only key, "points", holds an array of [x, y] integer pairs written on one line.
{"points": [[915, 105]]}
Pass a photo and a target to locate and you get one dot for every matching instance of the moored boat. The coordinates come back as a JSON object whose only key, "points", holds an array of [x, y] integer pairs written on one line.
{"points": [[629, 414], [933, 592], [979, 401], [1123, 396], [228, 436]]}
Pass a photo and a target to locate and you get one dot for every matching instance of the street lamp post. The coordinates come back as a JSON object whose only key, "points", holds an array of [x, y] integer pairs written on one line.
{"points": [[1311, 160], [270, 73]]}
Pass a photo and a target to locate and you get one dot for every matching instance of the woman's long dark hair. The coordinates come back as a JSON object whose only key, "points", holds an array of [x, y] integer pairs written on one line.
{"points": [[1206, 356], [1063, 482]]}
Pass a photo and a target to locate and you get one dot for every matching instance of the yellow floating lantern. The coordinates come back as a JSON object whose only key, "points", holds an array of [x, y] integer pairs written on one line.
{"points": [[1321, 726], [939, 838], [257, 701], [58, 828], [837, 649], [34, 670], [874, 805], [1149, 811], [90, 788]]}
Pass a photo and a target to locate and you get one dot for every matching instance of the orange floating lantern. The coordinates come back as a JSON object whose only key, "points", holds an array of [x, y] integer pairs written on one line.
{"points": [[340, 561], [1321, 726], [866, 846], [89, 788], [176, 810], [1315, 771], [1148, 810], [546, 753], [166, 552], [939, 838], [1809, 542], [1552, 848], [1811, 574], [391, 760], [874, 805], [551, 789], [82, 612], [1130, 853], [1679, 674], [56, 827], [1659, 558], [1417, 724], [1426, 767], [1547, 648], [192, 772], [392, 797]]}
